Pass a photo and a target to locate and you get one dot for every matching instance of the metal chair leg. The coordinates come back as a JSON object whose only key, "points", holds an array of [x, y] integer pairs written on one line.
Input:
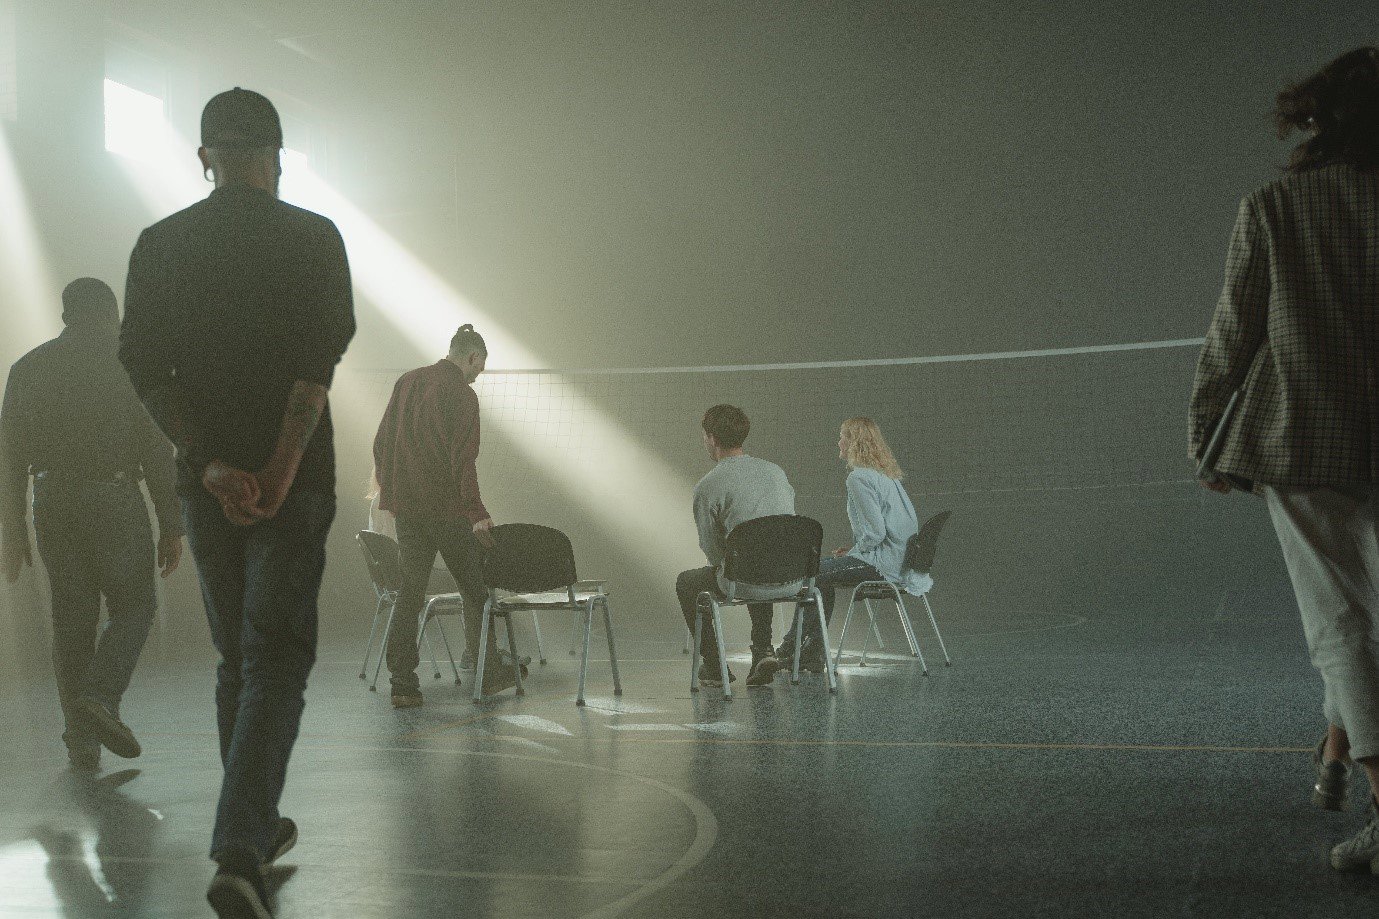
{"points": [[947, 661], [876, 632], [698, 641], [448, 653], [516, 659], [584, 661], [373, 631], [383, 649], [799, 643], [722, 651], [540, 647], [688, 636], [612, 646], [823, 636], [483, 653], [867, 641], [905, 623], [847, 617], [430, 649]]}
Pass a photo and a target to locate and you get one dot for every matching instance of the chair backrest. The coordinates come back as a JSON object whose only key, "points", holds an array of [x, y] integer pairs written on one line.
{"points": [[920, 550], [383, 558], [529, 558], [778, 549]]}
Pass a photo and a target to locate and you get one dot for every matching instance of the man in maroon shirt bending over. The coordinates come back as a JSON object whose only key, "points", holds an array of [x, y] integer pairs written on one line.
{"points": [[424, 453]]}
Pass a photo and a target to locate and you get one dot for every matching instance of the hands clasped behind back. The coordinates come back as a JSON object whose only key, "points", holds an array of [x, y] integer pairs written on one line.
{"points": [[247, 497]]}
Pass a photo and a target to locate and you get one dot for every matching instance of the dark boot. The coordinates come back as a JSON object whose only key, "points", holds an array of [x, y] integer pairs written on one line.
{"points": [[764, 667]]}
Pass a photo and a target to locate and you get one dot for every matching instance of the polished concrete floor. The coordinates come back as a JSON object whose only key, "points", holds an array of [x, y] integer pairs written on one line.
{"points": [[1141, 750]]}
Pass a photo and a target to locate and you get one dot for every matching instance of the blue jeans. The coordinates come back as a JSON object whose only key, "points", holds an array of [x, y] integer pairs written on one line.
{"points": [[418, 541], [834, 572], [95, 540], [260, 586]]}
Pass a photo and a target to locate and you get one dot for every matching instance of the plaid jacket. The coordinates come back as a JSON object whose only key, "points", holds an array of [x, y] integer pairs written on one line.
{"points": [[1296, 325]]}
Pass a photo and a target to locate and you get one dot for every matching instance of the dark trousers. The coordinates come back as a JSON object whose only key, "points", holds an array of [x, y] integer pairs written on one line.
{"points": [[418, 541], [96, 541], [834, 572], [260, 584], [690, 584]]}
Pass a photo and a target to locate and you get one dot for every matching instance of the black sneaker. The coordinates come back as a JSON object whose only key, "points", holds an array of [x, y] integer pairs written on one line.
{"points": [[812, 656], [283, 842], [409, 699], [113, 734], [764, 667], [1332, 791], [712, 674], [84, 759], [238, 895]]}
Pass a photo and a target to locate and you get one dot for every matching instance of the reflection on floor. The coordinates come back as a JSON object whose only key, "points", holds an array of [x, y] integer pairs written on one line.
{"points": [[1067, 764]]}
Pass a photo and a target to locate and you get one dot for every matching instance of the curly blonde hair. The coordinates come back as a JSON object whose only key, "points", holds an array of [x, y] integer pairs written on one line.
{"points": [[867, 448]]}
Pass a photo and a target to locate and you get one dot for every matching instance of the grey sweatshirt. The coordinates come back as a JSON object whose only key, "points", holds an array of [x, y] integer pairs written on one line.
{"points": [[737, 489]]}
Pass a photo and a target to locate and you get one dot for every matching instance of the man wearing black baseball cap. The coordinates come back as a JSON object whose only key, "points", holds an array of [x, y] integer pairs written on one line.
{"points": [[237, 311]]}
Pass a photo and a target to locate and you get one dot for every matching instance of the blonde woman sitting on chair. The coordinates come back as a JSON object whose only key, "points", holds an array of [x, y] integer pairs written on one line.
{"points": [[883, 520]]}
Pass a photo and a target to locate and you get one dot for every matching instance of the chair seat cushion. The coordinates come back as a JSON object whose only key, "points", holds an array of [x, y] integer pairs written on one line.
{"points": [[555, 599], [873, 590]]}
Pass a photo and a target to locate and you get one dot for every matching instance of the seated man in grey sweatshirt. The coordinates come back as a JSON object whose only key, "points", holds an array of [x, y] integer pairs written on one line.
{"points": [[738, 488]]}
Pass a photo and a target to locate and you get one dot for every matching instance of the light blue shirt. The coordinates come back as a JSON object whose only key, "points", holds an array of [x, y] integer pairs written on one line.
{"points": [[883, 520]]}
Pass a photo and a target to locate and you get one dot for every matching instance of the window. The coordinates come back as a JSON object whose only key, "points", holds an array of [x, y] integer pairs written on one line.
{"points": [[135, 123]]}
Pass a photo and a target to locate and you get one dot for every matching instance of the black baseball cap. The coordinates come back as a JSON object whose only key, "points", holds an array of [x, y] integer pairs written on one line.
{"points": [[240, 119]]}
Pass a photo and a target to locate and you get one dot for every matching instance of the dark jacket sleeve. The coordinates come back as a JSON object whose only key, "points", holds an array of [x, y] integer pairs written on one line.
{"points": [[464, 452], [384, 442], [328, 320], [14, 457], [148, 353]]}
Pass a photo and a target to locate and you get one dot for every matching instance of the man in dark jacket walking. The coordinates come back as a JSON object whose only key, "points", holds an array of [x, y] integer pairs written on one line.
{"points": [[72, 421], [237, 311]]}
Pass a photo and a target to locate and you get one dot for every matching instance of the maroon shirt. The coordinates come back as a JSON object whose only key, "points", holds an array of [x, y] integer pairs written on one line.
{"points": [[426, 445]]}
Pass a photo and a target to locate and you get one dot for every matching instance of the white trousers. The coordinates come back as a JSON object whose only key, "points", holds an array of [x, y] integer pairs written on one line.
{"points": [[1330, 540]]}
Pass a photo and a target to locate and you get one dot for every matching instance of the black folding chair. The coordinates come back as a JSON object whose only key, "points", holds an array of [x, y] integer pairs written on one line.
{"points": [[536, 564], [384, 562], [919, 558], [770, 554]]}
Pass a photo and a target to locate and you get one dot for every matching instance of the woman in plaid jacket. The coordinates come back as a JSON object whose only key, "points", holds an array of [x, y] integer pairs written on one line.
{"points": [[1295, 327]]}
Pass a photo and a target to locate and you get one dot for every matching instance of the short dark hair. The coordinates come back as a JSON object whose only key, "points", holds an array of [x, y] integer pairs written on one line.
{"points": [[89, 300], [1341, 103], [466, 341], [728, 425]]}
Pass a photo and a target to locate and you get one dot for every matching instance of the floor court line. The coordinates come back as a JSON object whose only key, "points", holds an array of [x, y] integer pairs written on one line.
{"points": [[700, 738], [961, 745]]}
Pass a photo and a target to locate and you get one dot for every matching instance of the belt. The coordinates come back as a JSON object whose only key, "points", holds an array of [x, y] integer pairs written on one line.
{"points": [[55, 477]]}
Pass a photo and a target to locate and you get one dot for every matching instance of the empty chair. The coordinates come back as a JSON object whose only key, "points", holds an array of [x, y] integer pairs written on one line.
{"points": [[385, 571], [919, 558], [781, 550], [536, 564]]}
